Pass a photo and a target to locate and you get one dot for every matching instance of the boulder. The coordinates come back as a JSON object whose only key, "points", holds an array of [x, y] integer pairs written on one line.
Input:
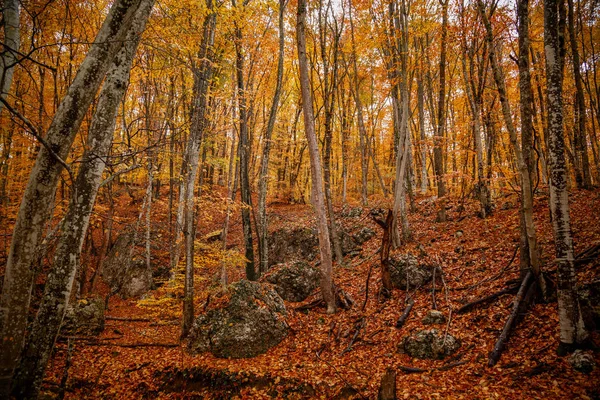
{"points": [[130, 278], [351, 212], [248, 324], [429, 344], [301, 244], [364, 235], [582, 361], [406, 272], [85, 317], [589, 300], [137, 280], [434, 317], [294, 282], [293, 244]]}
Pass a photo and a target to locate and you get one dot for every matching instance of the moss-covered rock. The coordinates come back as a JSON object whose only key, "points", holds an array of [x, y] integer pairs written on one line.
{"points": [[252, 321], [84, 317], [429, 344], [406, 272], [294, 282]]}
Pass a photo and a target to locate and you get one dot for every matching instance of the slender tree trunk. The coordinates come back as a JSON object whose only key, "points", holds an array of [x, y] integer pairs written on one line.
{"points": [[572, 330], [11, 44], [527, 192], [421, 108], [244, 155], [362, 131], [202, 79], [263, 181], [39, 194], [438, 153], [318, 198], [582, 162], [73, 231]]}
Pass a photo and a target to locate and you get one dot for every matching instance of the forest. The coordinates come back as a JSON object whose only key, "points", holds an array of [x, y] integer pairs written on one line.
{"points": [[292, 199]]}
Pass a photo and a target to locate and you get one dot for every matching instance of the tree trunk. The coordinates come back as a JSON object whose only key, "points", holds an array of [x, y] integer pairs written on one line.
{"points": [[202, 78], [39, 194], [582, 162], [438, 154], [527, 192], [263, 181], [318, 197], [11, 44], [73, 231], [572, 330]]}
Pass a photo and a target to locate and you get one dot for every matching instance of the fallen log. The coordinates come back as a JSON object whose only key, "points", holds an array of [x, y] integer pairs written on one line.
{"points": [[387, 388], [405, 314], [486, 299], [412, 370], [518, 307]]}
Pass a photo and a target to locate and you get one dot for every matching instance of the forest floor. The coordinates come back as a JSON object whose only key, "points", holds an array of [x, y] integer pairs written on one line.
{"points": [[319, 358]]}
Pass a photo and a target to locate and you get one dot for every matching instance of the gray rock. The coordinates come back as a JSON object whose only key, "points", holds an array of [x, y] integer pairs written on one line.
{"points": [[582, 361], [137, 280], [434, 317], [251, 323], [294, 282], [407, 272], [84, 317], [589, 300], [429, 344], [292, 244], [131, 278], [364, 235], [352, 212]]}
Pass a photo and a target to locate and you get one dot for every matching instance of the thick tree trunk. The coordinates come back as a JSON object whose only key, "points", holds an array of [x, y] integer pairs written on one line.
{"points": [[202, 78], [73, 231], [263, 181], [39, 193], [11, 44], [318, 197], [572, 330]]}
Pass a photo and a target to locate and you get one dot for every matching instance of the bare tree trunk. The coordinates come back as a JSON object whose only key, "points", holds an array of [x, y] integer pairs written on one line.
{"points": [[202, 78], [73, 231], [11, 44], [362, 132], [421, 108], [582, 162], [263, 181], [39, 194], [572, 330], [438, 154], [527, 191], [318, 197]]}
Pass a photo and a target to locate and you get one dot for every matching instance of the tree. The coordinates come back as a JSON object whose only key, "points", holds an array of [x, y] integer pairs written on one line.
{"points": [[39, 193], [58, 286], [572, 330], [11, 44], [263, 181], [317, 195], [202, 78]]}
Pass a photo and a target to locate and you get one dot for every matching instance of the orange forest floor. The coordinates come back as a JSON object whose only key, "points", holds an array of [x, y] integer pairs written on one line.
{"points": [[315, 360]]}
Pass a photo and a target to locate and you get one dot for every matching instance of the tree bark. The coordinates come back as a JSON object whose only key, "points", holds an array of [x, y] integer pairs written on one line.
{"points": [[263, 181], [318, 197], [60, 279], [12, 42], [572, 330], [202, 78], [39, 193]]}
